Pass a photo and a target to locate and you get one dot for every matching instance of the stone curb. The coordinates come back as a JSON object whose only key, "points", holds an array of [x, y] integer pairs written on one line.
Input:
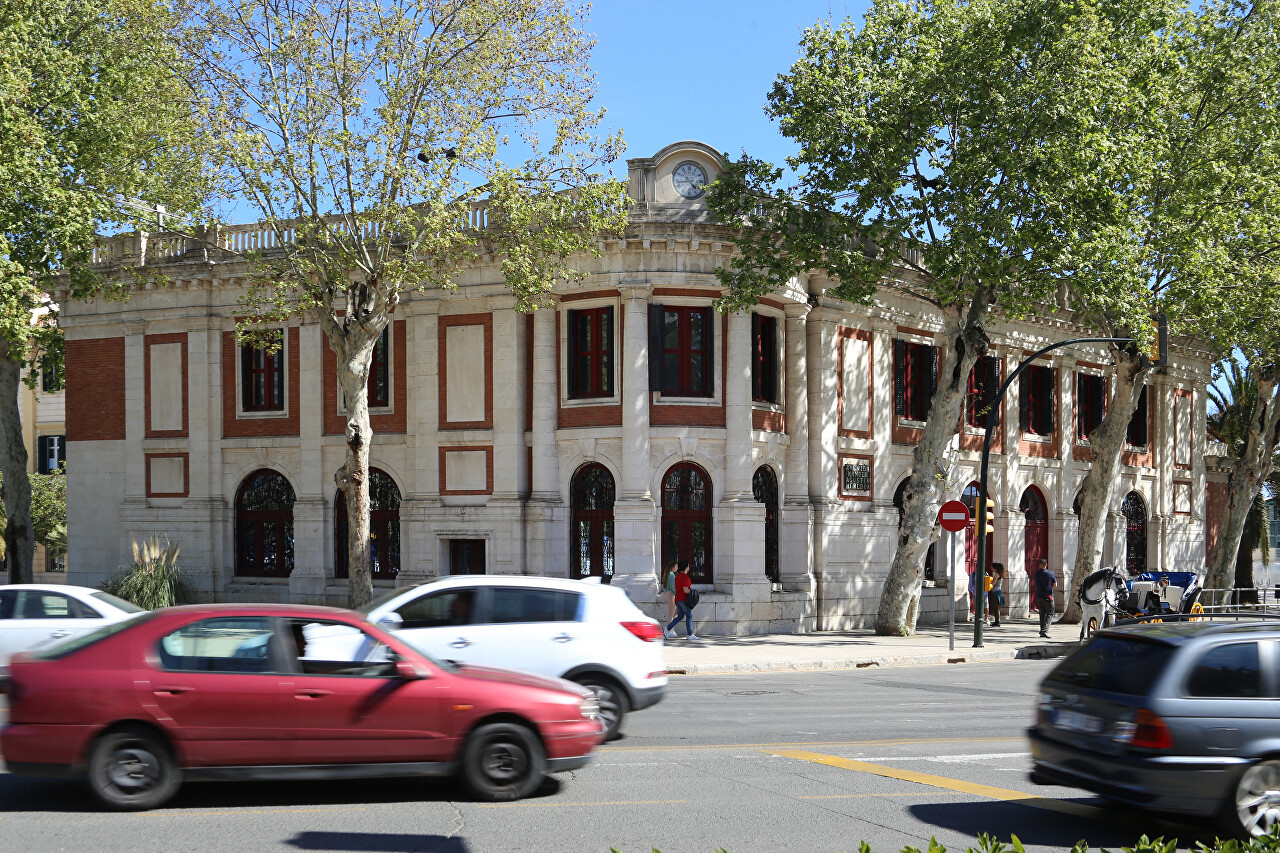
{"points": [[1041, 651]]}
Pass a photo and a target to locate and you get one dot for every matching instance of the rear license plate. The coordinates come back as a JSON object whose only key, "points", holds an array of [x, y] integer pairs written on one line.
{"points": [[1074, 721]]}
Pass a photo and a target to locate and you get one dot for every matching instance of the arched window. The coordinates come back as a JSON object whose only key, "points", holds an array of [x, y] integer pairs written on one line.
{"points": [[591, 551], [264, 526], [384, 527], [898, 497], [970, 498], [1134, 510], [686, 519], [1036, 533], [764, 485]]}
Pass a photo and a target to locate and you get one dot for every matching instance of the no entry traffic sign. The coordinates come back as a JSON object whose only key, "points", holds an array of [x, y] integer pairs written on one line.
{"points": [[953, 516]]}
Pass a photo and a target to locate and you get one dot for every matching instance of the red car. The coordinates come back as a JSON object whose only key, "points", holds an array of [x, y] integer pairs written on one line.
{"points": [[231, 692]]}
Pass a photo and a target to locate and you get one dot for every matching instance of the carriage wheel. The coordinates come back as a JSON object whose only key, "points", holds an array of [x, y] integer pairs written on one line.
{"points": [[1197, 610], [1091, 627]]}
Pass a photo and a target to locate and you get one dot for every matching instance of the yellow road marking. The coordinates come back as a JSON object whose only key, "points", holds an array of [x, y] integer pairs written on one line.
{"points": [[946, 783], [563, 805], [763, 746], [249, 811]]}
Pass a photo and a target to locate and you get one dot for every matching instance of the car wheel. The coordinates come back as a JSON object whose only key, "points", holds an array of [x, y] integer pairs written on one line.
{"points": [[613, 702], [503, 761], [133, 769], [1255, 809]]}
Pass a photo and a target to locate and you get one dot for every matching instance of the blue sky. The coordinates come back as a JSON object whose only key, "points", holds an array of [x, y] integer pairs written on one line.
{"points": [[700, 69]]}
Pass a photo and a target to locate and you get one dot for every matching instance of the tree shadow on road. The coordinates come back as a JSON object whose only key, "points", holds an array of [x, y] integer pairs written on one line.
{"points": [[24, 794], [377, 842], [1044, 828]]}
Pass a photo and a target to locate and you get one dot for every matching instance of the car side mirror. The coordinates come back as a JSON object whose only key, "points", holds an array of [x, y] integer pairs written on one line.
{"points": [[390, 621], [406, 670]]}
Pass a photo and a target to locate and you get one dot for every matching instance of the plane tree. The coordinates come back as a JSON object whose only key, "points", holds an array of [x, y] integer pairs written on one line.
{"points": [[956, 152]]}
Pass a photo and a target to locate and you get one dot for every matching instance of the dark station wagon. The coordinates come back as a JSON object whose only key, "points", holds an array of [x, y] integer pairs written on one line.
{"points": [[1180, 717]]}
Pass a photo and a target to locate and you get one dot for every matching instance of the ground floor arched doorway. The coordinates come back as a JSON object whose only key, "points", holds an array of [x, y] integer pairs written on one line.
{"points": [[1035, 534], [1134, 510]]}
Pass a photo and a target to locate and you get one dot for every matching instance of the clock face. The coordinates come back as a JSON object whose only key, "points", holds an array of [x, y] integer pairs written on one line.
{"points": [[689, 179]]}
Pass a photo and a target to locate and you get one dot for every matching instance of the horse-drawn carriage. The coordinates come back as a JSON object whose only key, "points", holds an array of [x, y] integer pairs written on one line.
{"points": [[1107, 596]]}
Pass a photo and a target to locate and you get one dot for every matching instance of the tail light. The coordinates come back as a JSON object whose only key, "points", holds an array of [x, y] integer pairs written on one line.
{"points": [[1147, 731], [647, 631]]}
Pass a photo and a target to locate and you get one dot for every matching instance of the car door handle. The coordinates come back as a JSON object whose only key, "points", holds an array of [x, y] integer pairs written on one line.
{"points": [[57, 635], [563, 638], [460, 643], [312, 693], [172, 689]]}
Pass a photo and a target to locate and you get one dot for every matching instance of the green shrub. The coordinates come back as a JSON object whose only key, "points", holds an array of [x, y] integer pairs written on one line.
{"points": [[154, 580]]}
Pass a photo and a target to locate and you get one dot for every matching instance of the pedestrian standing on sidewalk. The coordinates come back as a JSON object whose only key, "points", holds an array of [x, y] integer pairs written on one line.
{"points": [[669, 590], [995, 593], [683, 582], [1044, 582]]}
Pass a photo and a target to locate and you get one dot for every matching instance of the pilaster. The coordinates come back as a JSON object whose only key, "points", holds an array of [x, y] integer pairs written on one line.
{"points": [[796, 534]]}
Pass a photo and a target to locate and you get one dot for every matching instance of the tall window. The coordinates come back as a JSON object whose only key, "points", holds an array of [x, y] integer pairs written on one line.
{"points": [[592, 527], [1037, 394], [51, 452], [970, 497], [261, 379], [686, 519], [384, 527], [681, 337], [764, 358], [1134, 510], [764, 486], [1091, 403], [380, 371], [1137, 432], [591, 352], [264, 526], [50, 374], [984, 384], [915, 376]]}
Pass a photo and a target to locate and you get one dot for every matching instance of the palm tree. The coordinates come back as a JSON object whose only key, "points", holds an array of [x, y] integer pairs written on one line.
{"points": [[1233, 402]]}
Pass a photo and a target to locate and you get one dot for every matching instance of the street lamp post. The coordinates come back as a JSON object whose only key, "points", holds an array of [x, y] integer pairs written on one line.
{"points": [[980, 602]]}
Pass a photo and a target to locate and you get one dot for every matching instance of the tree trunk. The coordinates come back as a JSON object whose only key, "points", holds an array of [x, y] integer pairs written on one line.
{"points": [[931, 465], [1106, 444], [355, 353], [19, 551], [1244, 483]]}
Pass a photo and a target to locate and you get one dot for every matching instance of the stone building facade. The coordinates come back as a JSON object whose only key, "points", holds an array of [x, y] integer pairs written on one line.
{"points": [[624, 424]]}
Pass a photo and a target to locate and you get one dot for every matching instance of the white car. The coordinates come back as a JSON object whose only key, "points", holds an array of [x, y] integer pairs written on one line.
{"points": [[584, 632], [32, 614]]}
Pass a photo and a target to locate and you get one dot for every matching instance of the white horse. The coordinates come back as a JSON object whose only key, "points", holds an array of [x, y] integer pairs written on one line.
{"points": [[1099, 599]]}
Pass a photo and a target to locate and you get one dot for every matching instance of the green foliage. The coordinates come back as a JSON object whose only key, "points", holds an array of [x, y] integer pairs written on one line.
{"points": [[154, 580], [91, 115], [49, 510]]}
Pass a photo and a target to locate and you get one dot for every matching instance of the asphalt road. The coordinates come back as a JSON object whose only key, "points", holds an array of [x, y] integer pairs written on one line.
{"points": [[813, 761]]}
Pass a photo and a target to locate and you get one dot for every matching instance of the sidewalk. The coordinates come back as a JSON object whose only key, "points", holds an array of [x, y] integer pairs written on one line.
{"points": [[1014, 640]]}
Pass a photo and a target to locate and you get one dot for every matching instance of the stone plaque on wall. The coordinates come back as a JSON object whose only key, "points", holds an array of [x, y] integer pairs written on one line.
{"points": [[166, 387], [466, 386]]}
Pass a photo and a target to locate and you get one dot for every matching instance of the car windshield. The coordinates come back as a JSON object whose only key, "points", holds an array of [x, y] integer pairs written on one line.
{"points": [[117, 603], [380, 600], [75, 644], [1125, 665]]}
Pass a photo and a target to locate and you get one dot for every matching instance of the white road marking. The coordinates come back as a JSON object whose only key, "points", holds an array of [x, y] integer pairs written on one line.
{"points": [[952, 759]]}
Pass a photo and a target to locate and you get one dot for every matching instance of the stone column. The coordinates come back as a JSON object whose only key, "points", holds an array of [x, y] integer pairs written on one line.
{"points": [[548, 538], [740, 564], [796, 557], [820, 335], [634, 512], [312, 537], [423, 497]]}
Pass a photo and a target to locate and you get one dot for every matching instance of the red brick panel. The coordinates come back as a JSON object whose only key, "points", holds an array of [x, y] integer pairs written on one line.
{"points": [[769, 421], [387, 422], [592, 294], [95, 389], [176, 338], [445, 322], [285, 424]]}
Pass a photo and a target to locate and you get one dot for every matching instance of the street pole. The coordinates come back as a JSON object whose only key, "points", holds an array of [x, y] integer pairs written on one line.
{"points": [[980, 570], [951, 585]]}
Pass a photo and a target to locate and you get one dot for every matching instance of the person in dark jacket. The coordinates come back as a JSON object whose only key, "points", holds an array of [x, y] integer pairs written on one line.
{"points": [[1044, 581]]}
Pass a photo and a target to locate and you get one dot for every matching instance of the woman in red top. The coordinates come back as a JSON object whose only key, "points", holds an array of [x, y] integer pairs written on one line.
{"points": [[683, 582]]}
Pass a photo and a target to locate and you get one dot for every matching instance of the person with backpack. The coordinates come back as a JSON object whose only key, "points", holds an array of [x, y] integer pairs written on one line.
{"points": [[684, 607]]}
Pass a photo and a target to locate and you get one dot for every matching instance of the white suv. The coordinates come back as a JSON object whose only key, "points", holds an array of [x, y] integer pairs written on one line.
{"points": [[581, 631]]}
